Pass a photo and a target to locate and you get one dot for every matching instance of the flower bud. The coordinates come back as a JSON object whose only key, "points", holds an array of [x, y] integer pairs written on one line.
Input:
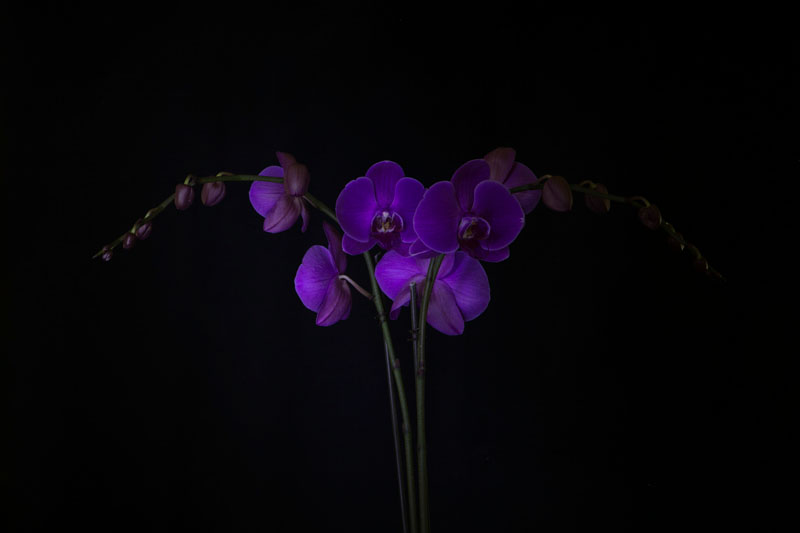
{"points": [[556, 194], [107, 254], [212, 193], [650, 216], [296, 179], [675, 243], [184, 196], [701, 265], [128, 241], [143, 230], [596, 204]]}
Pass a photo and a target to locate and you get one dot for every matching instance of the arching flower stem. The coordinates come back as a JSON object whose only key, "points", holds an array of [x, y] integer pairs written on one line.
{"points": [[364, 292]]}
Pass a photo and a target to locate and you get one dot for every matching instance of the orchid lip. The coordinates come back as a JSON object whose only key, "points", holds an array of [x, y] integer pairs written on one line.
{"points": [[386, 222], [473, 228]]}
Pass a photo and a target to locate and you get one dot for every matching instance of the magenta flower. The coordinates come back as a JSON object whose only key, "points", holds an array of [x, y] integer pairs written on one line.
{"points": [[379, 208], [460, 292], [319, 282], [470, 212], [282, 203], [512, 174]]}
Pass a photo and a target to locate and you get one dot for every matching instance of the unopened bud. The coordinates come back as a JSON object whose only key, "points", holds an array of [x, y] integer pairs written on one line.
{"points": [[675, 242], [596, 204], [556, 194], [143, 230], [107, 254], [128, 241], [650, 216], [184, 196], [296, 179], [212, 193], [701, 265]]}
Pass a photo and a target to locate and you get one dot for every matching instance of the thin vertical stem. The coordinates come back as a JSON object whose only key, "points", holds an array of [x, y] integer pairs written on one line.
{"points": [[422, 447], [397, 457]]}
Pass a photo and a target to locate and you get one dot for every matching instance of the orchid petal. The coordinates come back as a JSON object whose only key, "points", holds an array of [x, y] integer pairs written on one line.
{"points": [[490, 256], [313, 276], [265, 194], [335, 247], [437, 217], [500, 162], [419, 250], [522, 175], [285, 159], [296, 179], [469, 284], [385, 176], [495, 204], [400, 301], [283, 214], [443, 312], [355, 208], [336, 304], [305, 215], [393, 272], [466, 177], [354, 247], [407, 194]]}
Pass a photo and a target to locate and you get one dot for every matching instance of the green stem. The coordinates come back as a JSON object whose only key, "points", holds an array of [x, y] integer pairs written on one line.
{"points": [[401, 395], [422, 447]]}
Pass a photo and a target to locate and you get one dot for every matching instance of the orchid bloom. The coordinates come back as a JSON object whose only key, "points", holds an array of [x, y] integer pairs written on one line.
{"points": [[320, 281], [470, 212], [460, 292], [510, 173], [282, 203], [378, 209]]}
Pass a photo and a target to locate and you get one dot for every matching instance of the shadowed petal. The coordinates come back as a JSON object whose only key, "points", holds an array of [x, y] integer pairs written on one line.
{"points": [[393, 272], [490, 256], [305, 215], [385, 176], [335, 247], [500, 162], [336, 304], [283, 215], [469, 284], [265, 194], [354, 247], [286, 160], [296, 179], [407, 194], [522, 175], [466, 177], [495, 204], [313, 276], [400, 301], [355, 208], [419, 250], [443, 312], [437, 217]]}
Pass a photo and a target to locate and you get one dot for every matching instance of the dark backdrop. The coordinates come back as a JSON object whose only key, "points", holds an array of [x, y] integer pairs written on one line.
{"points": [[183, 386]]}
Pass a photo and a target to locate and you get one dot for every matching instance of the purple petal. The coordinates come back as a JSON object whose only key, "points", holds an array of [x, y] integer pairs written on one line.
{"points": [[522, 175], [272, 171], [470, 285], [500, 162], [265, 194], [354, 247], [355, 208], [385, 176], [466, 177], [419, 250], [490, 256], [393, 272], [444, 269], [495, 204], [335, 247], [437, 217], [443, 312], [283, 215], [306, 216], [336, 304], [285, 160], [400, 301], [314, 275], [296, 180], [402, 248], [407, 194]]}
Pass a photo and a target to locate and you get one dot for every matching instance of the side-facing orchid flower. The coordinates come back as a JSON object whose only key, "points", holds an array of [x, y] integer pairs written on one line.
{"points": [[460, 292], [471, 212], [512, 174], [320, 281], [378, 209], [282, 203]]}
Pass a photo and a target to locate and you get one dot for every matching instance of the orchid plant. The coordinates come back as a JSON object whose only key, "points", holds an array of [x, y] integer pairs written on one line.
{"points": [[428, 245]]}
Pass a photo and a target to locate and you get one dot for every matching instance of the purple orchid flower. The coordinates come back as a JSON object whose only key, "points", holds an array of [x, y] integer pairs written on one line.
{"points": [[282, 203], [460, 292], [471, 212], [512, 174], [320, 282], [378, 209]]}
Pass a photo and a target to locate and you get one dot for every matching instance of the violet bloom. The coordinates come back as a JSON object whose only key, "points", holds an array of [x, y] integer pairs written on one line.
{"points": [[470, 212], [460, 291], [512, 174], [282, 203], [319, 280], [379, 208]]}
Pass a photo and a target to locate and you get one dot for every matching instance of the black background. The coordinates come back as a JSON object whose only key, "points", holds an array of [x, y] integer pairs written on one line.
{"points": [[183, 386]]}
